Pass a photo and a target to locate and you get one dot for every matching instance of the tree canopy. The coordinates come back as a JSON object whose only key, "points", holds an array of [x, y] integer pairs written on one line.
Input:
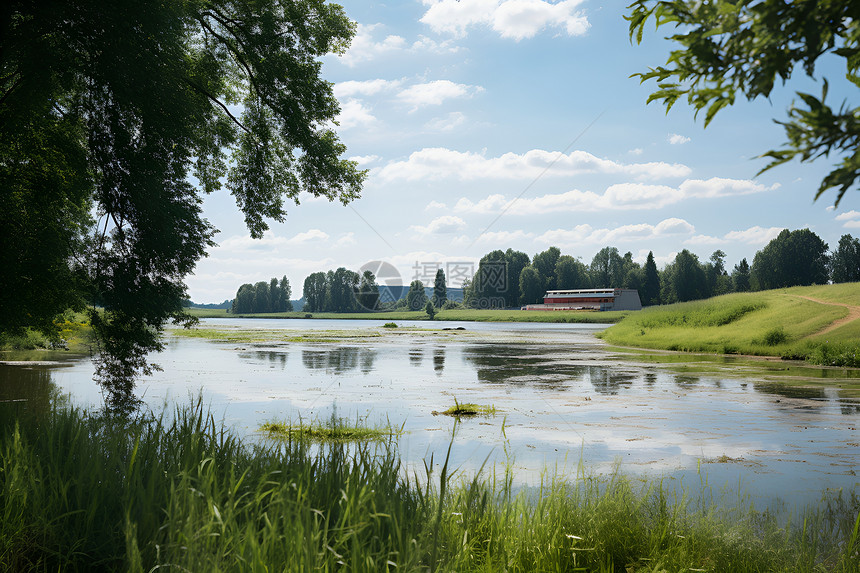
{"points": [[730, 47], [117, 107]]}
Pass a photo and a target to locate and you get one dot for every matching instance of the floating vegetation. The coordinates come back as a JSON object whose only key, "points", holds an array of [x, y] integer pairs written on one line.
{"points": [[335, 430], [467, 410]]}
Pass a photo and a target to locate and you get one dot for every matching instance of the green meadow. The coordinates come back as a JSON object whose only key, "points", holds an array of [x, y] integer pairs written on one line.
{"points": [[83, 492], [782, 322]]}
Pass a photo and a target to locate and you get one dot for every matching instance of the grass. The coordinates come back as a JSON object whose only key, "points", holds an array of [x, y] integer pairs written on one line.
{"points": [[334, 431], [73, 333], [83, 492], [467, 409], [768, 323], [474, 315]]}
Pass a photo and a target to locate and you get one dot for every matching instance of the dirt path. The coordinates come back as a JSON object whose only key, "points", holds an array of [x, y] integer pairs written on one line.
{"points": [[853, 313]]}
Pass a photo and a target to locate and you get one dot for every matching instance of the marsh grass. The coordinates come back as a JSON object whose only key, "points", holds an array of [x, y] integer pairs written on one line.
{"points": [[85, 492], [333, 431], [468, 409]]}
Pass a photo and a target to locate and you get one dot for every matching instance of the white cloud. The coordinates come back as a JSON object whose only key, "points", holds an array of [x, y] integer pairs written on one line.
{"points": [[852, 225], [364, 88], [269, 242], [447, 123], [425, 44], [346, 240], [440, 162], [435, 93], [584, 234], [441, 225], [848, 216], [515, 19], [636, 151], [754, 235], [307, 236], [365, 159], [364, 47], [504, 237], [676, 139], [435, 205], [636, 196], [353, 113]]}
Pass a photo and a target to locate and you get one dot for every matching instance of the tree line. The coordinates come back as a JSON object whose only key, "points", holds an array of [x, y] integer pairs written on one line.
{"points": [[793, 258], [510, 278]]}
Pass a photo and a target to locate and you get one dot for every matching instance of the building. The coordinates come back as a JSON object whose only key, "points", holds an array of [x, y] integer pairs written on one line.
{"points": [[589, 299]]}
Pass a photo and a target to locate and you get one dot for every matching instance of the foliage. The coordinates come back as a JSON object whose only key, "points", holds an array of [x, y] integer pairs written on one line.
{"points": [[515, 262], [609, 268], [440, 290], [544, 263], [82, 493], [793, 258], [489, 287], [120, 106], [272, 296], [650, 293], [416, 298], [367, 294], [530, 283], [314, 289], [741, 276], [570, 273], [430, 309], [845, 260], [728, 48]]}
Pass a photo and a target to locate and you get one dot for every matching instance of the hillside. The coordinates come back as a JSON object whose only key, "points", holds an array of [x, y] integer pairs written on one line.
{"points": [[820, 324]]}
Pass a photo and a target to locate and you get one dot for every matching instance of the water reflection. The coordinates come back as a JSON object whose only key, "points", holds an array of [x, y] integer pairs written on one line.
{"points": [[273, 357], [790, 391], [26, 389], [439, 359], [416, 355], [339, 360], [609, 381], [519, 365], [686, 380]]}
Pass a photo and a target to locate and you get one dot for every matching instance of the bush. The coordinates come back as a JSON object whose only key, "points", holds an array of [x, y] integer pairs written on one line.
{"points": [[775, 336]]}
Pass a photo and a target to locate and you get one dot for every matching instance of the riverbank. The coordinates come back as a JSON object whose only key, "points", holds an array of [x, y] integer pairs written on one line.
{"points": [[462, 314], [81, 491], [818, 324]]}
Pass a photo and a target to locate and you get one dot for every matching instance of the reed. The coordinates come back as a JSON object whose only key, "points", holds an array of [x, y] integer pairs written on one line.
{"points": [[83, 491]]}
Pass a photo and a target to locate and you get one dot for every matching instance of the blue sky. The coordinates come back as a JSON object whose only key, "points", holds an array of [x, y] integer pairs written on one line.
{"points": [[495, 124]]}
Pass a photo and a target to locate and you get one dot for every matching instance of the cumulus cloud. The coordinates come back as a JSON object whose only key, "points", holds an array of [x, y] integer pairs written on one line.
{"points": [[364, 88], [365, 47], [441, 225], [851, 219], [676, 139], [353, 113], [504, 237], [440, 162], [629, 196], [585, 234], [269, 241], [435, 93], [636, 151], [435, 205], [514, 19], [365, 159], [754, 235]]}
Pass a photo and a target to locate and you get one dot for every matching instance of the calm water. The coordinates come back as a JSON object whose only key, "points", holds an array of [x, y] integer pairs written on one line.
{"points": [[561, 399]]}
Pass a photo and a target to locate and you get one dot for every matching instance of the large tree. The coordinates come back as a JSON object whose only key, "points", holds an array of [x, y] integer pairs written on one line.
{"points": [[440, 289], [731, 47], [845, 261], [650, 293], [608, 268], [122, 105], [792, 258], [544, 263]]}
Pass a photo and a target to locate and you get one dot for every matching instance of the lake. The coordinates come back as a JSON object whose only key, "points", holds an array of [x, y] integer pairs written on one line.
{"points": [[564, 402]]}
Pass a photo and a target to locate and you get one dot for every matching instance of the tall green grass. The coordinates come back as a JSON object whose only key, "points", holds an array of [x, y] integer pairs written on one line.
{"points": [[84, 492]]}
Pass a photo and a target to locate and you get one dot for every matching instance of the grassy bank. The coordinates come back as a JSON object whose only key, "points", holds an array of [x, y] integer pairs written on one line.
{"points": [[79, 492], [73, 333], [467, 314], [783, 322]]}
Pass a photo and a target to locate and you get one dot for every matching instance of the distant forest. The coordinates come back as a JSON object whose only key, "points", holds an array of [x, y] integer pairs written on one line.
{"points": [[509, 279]]}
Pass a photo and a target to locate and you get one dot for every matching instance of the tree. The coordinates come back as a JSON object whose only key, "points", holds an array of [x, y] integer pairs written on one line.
{"points": [[132, 100], [430, 309], [531, 286], [262, 300], [342, 285], [729, 47], [741, 276], [286, 305], [688, 280], [650, 293], [315, 288], [489, 285], [416, 298], [607, 268], [367, 294], [792, 258], [516, 262], [440, 289], [845, 261], [244, 301], [570, 273], [544, 263], [719, 281]]}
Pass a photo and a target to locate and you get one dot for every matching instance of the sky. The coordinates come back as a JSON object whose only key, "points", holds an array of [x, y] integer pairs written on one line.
{"points": [[496, 124]]}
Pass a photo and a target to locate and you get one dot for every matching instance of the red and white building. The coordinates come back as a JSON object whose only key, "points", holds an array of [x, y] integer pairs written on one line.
{"points": [[589, 299]]}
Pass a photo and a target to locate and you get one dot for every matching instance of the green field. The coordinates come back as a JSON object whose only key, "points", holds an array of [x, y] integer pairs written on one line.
{"points": [[468, 314], [86, 492], [768, 323]]}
